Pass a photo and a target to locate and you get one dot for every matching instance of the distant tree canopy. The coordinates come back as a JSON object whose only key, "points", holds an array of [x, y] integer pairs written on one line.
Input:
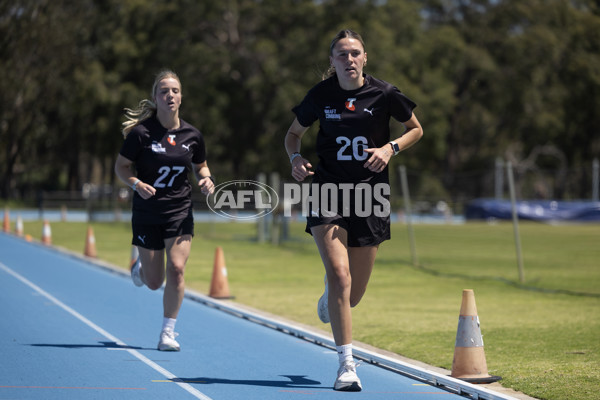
{"points": [[500, 78]]}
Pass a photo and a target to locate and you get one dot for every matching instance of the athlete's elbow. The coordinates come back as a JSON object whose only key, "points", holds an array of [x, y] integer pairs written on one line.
{"points": [[419, 133]]}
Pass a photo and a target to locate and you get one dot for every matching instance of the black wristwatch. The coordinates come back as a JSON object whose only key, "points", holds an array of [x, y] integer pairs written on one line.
{"points": [[395, 147]]}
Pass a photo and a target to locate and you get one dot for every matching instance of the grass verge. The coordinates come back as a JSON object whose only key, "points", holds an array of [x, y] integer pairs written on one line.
{"points": [[542, 336]]}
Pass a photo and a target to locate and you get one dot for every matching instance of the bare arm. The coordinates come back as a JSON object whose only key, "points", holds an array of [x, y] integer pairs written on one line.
{"points": [[414, 132], [293, 138], [124, 171], [380, 157], [203, 176]]}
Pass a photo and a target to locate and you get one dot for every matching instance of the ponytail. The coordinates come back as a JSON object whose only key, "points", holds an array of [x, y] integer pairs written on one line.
{"points": [[146, 108], [329, 73]]}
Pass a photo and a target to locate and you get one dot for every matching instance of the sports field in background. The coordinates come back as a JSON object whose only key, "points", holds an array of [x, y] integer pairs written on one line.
{"points": [[542, 337]]}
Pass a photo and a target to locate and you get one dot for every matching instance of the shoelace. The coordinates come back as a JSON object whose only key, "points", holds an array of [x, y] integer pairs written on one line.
{"points": [[350, 366], [170, 334]]}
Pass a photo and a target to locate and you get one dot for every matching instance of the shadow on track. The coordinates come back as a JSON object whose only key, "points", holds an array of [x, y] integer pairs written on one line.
{"points": [[295, 382]]}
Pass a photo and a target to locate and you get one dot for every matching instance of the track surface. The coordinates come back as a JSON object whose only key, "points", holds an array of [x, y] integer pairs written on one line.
{"points": [[72, 330]]}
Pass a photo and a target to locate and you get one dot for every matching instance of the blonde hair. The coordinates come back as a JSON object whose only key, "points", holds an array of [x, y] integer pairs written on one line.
{"points": [[343, 34], [146, 108]]}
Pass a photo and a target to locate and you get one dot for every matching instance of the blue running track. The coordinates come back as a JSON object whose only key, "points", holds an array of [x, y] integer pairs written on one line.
{"points": [[72, 329]]}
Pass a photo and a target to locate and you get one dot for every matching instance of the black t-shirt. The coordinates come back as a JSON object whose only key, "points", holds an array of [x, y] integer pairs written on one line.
{"points": [[163, 159], [350, 121]]}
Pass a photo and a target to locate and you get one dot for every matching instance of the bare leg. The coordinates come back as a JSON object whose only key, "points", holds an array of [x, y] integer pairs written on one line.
{"points": [[178, 251], [362, 260], [152, 272], [331, 241]]}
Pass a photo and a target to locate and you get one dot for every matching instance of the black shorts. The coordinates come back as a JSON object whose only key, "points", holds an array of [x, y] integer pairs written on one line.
{"points": [[363, 231], [152, 236]]}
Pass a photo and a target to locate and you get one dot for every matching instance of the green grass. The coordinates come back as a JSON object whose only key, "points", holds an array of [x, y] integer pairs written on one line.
{"points": [[542, 337]]}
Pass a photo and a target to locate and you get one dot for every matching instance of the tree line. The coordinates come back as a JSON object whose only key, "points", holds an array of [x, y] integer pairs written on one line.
{"points": [[496, 78]]}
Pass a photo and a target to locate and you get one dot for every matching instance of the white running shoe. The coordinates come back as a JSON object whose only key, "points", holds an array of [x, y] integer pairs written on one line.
{"points": [[167, 341], [323, 305], [347, 380], [135, 273]]}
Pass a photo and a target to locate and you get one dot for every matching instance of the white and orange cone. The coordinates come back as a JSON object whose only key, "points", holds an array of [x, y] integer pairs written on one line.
{"points": [[19, 226], [219, 285], [469, 358], [6, 221], [47, 233], [90, 244]]}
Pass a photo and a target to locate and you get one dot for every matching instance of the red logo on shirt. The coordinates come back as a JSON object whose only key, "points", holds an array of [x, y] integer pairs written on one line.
{"points": [[171, 140], [350, 104]]}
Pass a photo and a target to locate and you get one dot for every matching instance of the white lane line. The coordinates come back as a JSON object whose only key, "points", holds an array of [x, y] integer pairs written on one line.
{"points": [[135, 353]]}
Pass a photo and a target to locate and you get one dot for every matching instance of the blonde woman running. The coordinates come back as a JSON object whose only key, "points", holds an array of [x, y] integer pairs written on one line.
{"points": [[163, 148]]}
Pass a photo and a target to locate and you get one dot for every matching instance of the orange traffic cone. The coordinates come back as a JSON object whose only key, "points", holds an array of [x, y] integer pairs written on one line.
{"points": [[469, 358], [219, 287], [90, 243], [6, 222], [19, 226], [46, 233], [134, 255]]}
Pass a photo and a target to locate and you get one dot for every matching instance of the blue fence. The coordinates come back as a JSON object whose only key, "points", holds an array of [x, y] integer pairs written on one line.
{"points": [[542, 210]]}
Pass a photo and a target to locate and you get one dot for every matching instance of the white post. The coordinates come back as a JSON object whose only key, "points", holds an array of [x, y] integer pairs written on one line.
{"points": [[408, 212], [515, 219], [275, 216], [261, 225], [499, 178]]}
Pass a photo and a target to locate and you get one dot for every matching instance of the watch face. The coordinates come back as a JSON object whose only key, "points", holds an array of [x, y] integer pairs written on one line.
{"points": [[396, 147]]}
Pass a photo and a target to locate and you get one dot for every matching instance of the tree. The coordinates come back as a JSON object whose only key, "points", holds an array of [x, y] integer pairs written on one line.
{"points": [[491, 78]]}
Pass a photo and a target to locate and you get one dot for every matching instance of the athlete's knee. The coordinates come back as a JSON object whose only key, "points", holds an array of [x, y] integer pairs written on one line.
{"points": [[358, 291], [175, 272], [355, 299], [152, 276], [154, 283], [340, 279]]}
